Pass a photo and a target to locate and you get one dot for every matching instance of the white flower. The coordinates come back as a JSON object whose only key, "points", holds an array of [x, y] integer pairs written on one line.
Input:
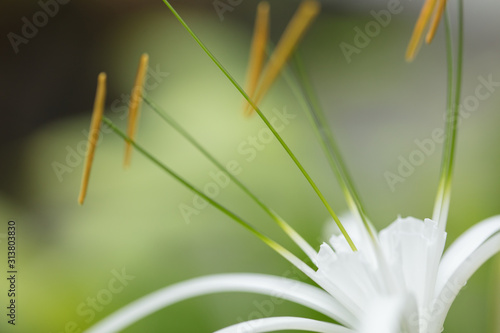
{"points": [[394, 281], [408, 272], [404, 286]]}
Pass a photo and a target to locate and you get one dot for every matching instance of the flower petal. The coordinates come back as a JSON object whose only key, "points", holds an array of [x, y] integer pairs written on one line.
{"points": [[457, 280], [285, 323], [276, 287], [384, 315], [356, 230], [413, 248], [348, 277], [463, 247]]}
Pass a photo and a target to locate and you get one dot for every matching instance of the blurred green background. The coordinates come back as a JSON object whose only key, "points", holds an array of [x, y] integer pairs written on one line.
{"points": [[377, 104]]}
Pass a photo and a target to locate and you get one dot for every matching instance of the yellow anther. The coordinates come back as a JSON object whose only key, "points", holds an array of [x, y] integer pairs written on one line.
{"points": [[257, 52], [95, 126], [306, 13], [418, 31], [435, 21], [135, 102]]}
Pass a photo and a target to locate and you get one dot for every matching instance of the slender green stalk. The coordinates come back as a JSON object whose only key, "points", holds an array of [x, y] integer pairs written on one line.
{"points": [[268, 124], [274, 216], [442, 203], [271, 243], [458, 91], [320, 125], [438, 206]]}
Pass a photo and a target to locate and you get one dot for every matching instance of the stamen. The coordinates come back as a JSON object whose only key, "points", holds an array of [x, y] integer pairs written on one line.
{"points": [[135, 101], [276, 218], [257, 52], [435, 21], [442, 204], [418, 31], [294, 32], [95, 126], [271, 243], [306, 97], [266, 121]]}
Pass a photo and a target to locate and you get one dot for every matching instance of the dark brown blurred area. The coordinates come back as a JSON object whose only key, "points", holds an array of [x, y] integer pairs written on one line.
{"points": [[48, 71]]}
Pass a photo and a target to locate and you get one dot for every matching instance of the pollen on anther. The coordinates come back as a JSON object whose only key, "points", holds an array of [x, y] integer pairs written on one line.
{"points": [[301, 21], [418, 31], [435, 21], [257, 52], [135, 102], [95, 126]]}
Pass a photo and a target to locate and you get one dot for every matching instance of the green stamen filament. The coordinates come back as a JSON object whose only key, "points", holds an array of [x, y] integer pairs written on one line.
{"points": [[442, 202], [275, 246], [275, 217], [268, 124], [319, 123]]}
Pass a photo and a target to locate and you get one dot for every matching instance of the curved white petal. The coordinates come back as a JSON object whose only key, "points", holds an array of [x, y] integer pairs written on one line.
{"points": [[348, 277], [463, 247], [457, 280], [384, 315], [276, 287], [285, 323]]}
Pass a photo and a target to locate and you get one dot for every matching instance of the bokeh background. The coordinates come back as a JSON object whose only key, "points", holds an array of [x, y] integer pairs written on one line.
{"points": [[377, 104]]}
